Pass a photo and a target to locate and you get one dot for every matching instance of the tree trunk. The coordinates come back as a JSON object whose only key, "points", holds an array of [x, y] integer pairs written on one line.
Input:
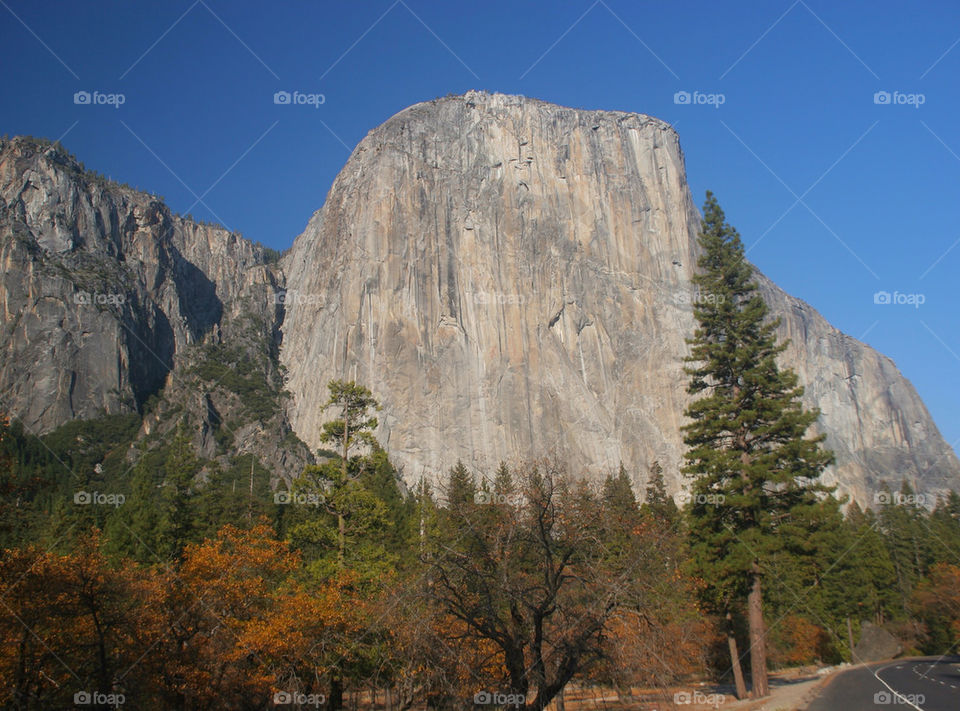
{"points": [[336, 694], [735, 660], [341, 524], [758, 637], [850, 637]]}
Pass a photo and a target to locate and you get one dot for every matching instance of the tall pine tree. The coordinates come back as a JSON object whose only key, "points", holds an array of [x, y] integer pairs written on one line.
{"points": [[353, 428], [177, 518], [753, 465]]}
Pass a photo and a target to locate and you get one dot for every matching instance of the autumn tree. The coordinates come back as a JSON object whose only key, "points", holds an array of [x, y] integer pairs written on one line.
{"points": [[530, 578], [66, 623], [231, 625], [936, 601]]}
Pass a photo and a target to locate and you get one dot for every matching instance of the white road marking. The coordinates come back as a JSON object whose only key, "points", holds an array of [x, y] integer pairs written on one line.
{"points": [[896, 693]]}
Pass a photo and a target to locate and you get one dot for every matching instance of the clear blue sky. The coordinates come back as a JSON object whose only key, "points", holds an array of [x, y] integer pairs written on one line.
{"points": [[877, 183]]}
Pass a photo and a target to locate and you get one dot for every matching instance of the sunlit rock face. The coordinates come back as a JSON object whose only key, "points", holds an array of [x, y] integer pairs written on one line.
{"points": [[512, 280]]}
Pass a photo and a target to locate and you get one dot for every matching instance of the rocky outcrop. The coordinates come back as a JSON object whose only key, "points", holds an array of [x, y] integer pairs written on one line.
{"points": [[512, 279], [108, 298]]}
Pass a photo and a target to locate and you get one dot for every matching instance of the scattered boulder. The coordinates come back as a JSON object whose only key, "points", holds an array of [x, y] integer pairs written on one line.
{"points": [[875, 644]]}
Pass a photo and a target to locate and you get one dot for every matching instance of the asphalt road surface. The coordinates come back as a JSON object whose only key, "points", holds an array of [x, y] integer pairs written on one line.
{"points": [[927, 684]]}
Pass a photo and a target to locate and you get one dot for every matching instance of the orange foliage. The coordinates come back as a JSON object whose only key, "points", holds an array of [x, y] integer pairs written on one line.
{"points": [[64, 621], [234, 626], [939, 595], [797, 641], [226, 628]]}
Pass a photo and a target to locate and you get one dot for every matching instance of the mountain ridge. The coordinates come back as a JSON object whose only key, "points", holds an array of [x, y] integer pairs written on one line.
{"points": [[510, 277]]}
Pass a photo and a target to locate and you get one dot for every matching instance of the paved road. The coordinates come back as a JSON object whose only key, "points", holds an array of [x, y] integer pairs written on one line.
{"points": [[928, 684]]}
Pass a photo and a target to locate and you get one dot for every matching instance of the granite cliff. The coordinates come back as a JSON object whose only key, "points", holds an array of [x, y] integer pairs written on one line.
{"points": [[512, 279], [113, 304]]}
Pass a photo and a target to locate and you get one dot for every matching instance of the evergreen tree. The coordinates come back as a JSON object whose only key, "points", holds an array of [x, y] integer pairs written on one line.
{"points": [[753, 465], [503, 484], [461, 490], [132, 531], [904, 526], [227, 496], [353, 428], [866, 585], [340, 525], [944, 529], [618, 492], [657, 504], [355, 425], [177, 521], [621, 513]]}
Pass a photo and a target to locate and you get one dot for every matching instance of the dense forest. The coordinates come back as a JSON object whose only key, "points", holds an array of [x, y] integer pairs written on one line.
{"points": [[134, 572], [181, 595]]}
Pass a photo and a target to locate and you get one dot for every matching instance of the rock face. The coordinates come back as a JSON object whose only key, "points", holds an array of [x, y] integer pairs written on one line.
{"points": [[512, 279], [100, 287], [104, 292]]}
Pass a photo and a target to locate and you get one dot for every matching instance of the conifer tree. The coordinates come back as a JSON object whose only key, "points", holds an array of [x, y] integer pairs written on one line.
{"points": [[503, 485], [176, 522], [354, 427], [902, 521], [656, 502], [461, 489], [618, 492], [132, 530], [752, 463]]}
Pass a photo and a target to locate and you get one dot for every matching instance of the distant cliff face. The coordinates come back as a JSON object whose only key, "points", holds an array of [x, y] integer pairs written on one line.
{"points": [[106, 297], [512, 279]]}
